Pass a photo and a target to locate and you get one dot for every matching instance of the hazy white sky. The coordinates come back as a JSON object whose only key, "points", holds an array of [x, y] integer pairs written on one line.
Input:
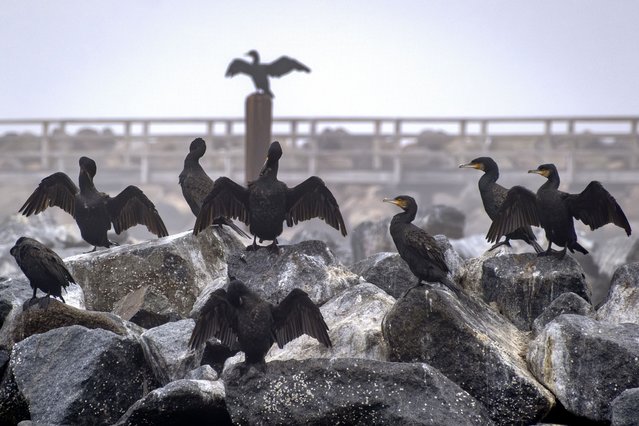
{"points": [[151, 58]]}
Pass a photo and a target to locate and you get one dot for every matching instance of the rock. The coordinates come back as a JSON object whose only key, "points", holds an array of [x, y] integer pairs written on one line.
{"points": [[565, 303], [35, 320], [182, 402], [369, 238], [167, 350], [521, 286], [337, 244], [471, 345], [354, 319], [13, 406], [349, 391], [440, 219], [178, 266], [203, 372], [309, 265], [146, 308], [471, 246], [74, 375], [586, 363], [625, 408], [623, 297]]}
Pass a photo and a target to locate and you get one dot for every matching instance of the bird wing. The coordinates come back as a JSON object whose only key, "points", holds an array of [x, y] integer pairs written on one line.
{"points": [[54, 190], [518, 209], [238, 66], [131, 207], [310, 199], [427, 247], [297, 315], [596, 207], [217, 319], [226, 199], [284, 65], [55, 265]]}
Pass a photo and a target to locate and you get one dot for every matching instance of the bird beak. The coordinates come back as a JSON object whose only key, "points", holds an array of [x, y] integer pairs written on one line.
{"points": [[470, 166], [390, 200], [538, 172]]}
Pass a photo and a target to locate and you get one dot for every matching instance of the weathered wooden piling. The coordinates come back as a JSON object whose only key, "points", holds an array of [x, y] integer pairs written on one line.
{"points": [[258, 119]]}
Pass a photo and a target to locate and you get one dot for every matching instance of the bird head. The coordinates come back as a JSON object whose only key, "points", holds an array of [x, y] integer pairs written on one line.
{"points": [[253, 54], [16, 247], [198, 146], [272, 157], [480, 163], [88, 166], [402, 201], [236, 292], [546, 170]]}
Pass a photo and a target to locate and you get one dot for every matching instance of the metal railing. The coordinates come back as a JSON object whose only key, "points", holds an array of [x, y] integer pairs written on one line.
{"points": [[376, 150]]}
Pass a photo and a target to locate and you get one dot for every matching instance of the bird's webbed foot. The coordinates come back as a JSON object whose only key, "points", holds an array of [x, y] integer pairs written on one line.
{"points": [[45, 301], [254, 246], [274, 248], [91, 251], [503, 243], [29, 303]]}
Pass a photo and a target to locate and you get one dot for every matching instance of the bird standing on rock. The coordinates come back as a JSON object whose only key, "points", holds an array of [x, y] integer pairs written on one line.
{"points": [[418, 249], [95, 211], [493, 196], [554, 211], [260, 73], [196, 184], [268, 202], [42, 266], [240, 318]]}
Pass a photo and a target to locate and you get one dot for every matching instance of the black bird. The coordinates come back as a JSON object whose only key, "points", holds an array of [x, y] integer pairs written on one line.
{"points": [[418, 249], [94, 211], [42, 266], [268, 202], [239, 318], [493, 196], [196, 184], [554, 211], [260, 72]]}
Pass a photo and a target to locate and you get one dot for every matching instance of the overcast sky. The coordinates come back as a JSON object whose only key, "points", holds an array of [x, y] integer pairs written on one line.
{"points": [[153, 58]]}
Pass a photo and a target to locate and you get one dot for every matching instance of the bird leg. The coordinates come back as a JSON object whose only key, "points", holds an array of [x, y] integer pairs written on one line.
{"points": [[562, 253], [94, 249], [419, 283], [254, 246], [506, 242], [273, 247], [44, 302], [548, 251]]}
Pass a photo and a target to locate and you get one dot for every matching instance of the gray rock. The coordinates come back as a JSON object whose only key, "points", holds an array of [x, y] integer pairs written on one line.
{"points": [[625, 408], [178, 266], [371, 237], [338, 245], [623, 297], [441, 219], [471, 345], [521, 286], [74, 375], [565, 303], [203, 372], [309, 265], [586, 363], [349, 391], [167, 350], [146, 308], [182, 402], [354, 319]]}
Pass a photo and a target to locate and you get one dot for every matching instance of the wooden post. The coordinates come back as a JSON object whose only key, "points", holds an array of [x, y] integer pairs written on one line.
{"points": [[258, 119]]}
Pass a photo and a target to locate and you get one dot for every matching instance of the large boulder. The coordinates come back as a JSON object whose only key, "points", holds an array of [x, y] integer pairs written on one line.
{"points": [[349, 391], [354, 319], [471, 345], [182, 402], [309, 265], [74, 375], [146, 307], [565, 303], [521, 286], [586, 363], [178, 266], [623, 297], [625, 408], [371, 237], [441, 219]]}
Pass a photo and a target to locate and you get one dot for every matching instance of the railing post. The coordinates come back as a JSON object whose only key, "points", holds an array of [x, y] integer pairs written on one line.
{"points": [[377, 160], [127, 143], [65, 145], [258, 118], [634, 140], [312, 159], [144, 159], [44, 146]]}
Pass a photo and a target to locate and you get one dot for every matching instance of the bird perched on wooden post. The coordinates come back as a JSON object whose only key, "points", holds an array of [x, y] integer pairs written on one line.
{"points": [[260, 72], [196, 184], [95, 211], [554, 211], [267, 202], [42, 266], [416, 247], [239, 318]]}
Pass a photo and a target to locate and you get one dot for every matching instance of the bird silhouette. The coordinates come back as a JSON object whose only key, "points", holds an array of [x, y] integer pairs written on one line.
{"points": [[260, 72], [95, 211]]}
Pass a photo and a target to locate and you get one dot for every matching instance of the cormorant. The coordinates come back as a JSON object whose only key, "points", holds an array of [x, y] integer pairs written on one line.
{"points": [[42, 266], [268, 202], [94, 211], [418, 249], [493, 196], [196, 184], [239, 318], [554, 210], [260, 72]]}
